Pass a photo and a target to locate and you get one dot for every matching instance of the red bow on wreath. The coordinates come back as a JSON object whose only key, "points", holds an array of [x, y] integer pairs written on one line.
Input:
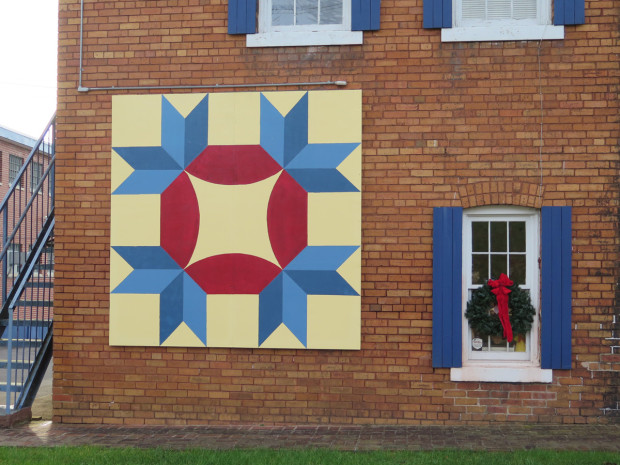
{"points": [[499, 288]]}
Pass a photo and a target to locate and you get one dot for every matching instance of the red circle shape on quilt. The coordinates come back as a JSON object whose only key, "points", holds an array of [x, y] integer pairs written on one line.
{"points": [[287, 220]]}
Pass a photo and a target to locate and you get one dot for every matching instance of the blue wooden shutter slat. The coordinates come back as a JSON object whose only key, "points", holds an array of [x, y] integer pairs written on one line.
{"points": [[438, 303], [365, 15], [456, 283], [558, 12], [441, 248], [446, 286], [567, 12], [437, 14], [359, 14], [556, 339], [437, 10], [446, 17], [556, 288], [232, 16], [250, 16], [567, 275], [375, 15], [447, 251], [241, 16]]}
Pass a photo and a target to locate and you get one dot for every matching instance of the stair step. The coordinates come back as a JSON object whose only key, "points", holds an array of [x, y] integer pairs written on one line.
{"points": [[40, 285], [19, 365], [27, 323], [44, 266], [35, 303], [14, 387], [22, 342]]}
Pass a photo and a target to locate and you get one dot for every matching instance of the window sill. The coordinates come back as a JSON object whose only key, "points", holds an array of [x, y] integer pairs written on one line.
{"points": [[502, 33], [502, 374], [296, 39]]}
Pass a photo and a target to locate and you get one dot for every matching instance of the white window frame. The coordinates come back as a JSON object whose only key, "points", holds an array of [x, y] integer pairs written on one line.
{"points": [[503, 366], [303, 35], [503, 30]]}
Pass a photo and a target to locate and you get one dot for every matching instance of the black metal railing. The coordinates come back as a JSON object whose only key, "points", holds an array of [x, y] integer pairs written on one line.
{"points": [[27, 273]]}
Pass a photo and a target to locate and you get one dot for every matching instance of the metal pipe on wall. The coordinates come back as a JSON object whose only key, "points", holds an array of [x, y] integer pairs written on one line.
{"points": [[82, 88]]}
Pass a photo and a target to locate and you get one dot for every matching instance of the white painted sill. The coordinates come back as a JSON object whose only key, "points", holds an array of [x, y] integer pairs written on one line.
{"points": [[502, 374], [502, 33], [296, 39]]}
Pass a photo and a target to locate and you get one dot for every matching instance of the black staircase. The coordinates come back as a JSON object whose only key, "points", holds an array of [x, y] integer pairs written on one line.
{"points": [[27, 272]]}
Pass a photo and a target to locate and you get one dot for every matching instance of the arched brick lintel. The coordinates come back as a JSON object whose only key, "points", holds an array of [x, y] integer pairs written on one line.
{"points": [[518, 193]]}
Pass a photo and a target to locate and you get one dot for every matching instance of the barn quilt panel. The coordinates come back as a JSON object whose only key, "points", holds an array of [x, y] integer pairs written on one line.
{"points": [[236, 220]]}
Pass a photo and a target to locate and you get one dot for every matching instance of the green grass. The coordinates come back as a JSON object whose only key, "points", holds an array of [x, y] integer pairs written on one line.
{"points": [[113, 456]]}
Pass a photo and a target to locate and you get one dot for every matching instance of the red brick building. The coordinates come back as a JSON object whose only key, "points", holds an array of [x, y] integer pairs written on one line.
{"points": [[14, 150], [489, 143]]}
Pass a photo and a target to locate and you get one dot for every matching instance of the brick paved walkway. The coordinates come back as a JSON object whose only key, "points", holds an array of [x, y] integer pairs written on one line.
{"points": [[503, 437]]}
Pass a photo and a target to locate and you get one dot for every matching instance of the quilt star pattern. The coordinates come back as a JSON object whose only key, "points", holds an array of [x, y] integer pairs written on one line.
{"points": [[236, 220]]}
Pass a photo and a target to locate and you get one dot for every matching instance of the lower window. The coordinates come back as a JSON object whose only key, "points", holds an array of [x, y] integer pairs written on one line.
{"points": [[500, 241], [534, 248]]}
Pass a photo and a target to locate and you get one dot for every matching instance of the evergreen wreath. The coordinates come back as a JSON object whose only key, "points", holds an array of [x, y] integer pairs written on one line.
{"points": [[486, 322]]}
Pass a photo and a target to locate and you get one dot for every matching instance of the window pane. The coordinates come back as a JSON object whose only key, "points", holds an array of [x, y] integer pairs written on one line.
{"points": [[498, 236], [499, 344], [498, 9], [282, 12], [479, 269], [331, 12], [499, 265], [517, 236], [517, 269], [307, 12], [474, 9], [480, 236], [524, 9], [13, 259]]}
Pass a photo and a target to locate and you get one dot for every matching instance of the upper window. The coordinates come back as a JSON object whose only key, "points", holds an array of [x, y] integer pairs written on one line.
{"points": [[310, 14], [493, 20], [304, 22], [15, 164], [498, 20], [475, 12]]}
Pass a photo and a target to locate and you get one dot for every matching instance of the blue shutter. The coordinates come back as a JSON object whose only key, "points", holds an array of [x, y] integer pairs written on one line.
{"points": [[569, 12], [241, 16], [437, 13], [556, 288], [365, 15], [447, 271]]}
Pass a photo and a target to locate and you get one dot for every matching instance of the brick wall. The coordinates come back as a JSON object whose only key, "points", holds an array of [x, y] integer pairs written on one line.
{"points": [[444, 124]]}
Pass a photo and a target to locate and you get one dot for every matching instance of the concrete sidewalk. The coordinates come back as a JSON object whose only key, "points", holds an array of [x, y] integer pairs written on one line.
{"points": [[495, 438]]}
